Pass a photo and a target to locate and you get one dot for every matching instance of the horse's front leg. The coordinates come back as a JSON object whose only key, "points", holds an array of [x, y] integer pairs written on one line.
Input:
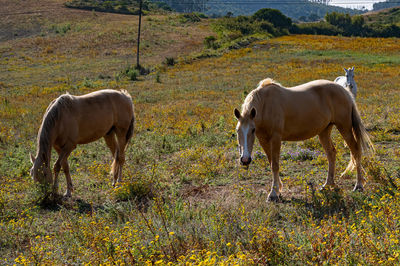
{"points": [[330, 151], [56, 169], [272, 148]]}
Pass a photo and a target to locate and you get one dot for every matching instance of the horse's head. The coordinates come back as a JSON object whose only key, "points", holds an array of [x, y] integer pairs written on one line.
{"points": [[40, 171], [349, 74], [245, 129]]}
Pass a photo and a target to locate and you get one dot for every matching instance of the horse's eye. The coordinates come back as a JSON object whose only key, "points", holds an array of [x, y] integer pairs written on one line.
{"points": [[254, 130]]}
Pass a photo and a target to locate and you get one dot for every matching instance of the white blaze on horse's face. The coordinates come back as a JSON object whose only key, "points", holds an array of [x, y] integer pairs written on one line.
{"points": [[245, 135]]}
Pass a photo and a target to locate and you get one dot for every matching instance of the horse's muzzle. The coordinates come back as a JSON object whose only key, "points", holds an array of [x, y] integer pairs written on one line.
{"points": [[245, 161]]}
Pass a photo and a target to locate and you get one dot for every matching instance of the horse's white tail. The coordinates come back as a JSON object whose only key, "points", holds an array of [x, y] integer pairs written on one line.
{"points": [[361, 136], [359, 131]]}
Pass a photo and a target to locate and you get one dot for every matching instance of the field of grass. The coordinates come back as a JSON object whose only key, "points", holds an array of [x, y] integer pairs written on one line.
{"points": [[184, 199]]}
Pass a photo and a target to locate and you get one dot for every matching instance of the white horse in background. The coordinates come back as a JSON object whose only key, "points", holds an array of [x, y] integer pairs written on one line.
{"points": [[348, 82]]}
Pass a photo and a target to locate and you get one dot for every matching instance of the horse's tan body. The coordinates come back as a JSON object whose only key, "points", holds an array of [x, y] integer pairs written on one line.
{"points": [[301, 112], [277, 114], [70, 120]]}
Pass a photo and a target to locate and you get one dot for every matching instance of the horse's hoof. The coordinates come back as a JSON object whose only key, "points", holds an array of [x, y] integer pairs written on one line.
{"points": [[273, 198], [358, 188], [328, 187]]}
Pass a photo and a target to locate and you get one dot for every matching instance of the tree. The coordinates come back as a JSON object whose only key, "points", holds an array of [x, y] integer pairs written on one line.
{"points": [[338, 19], [273, 16], [187, 5], [386, 4], [324, 2]]}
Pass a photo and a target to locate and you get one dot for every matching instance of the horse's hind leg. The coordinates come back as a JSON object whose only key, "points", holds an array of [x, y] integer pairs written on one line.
{"points": [[120, 155], [112, 145], [330, 151], [355, 149], [111, 142]]}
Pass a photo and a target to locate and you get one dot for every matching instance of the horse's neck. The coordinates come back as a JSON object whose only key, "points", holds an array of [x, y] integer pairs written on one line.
{"points": [[45, 142], [44, 152]]}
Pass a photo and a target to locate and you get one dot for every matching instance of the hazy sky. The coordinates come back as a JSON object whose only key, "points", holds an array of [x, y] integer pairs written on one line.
{"points": [[354, 3]]}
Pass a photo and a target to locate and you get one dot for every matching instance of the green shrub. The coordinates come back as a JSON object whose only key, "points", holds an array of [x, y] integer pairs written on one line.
{"points": [[318, 28], [158, 78], [189, 17], [338, 19], [210, 42], [61, 29], [273, 16], [132, 74], [239, 28], [378, 30]]}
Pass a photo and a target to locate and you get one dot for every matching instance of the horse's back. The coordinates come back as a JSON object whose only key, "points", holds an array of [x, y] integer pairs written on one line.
{"points": [[330, 97], [110, 101], [104, 96], [93, 115], [332, 94], [340, 79], [303, 111]]}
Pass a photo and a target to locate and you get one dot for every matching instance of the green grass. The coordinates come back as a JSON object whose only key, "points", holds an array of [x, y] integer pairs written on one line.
{"points": [[184, 198]]}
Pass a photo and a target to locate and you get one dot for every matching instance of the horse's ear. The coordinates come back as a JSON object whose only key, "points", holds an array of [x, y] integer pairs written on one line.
{"points": [[345, 69], [352, 68], [253, 113], [237, 114], [32, 158]]}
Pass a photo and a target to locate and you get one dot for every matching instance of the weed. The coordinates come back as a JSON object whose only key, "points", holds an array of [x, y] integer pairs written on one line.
{"points": [[158, 77], [141, 191], [61, 29], [300, 154], [170, 61], [88, 83]]}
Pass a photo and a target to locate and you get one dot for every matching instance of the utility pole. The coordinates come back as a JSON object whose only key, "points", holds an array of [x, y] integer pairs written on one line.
{"points": [[138, 38]]}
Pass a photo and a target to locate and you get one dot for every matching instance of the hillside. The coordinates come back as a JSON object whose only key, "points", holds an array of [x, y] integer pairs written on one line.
{"points": [[47, 29], [184, 199], [295, 9], [384, 16], [386, 4]]}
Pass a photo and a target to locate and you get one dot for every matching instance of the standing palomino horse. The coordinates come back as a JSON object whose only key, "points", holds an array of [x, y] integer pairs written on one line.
{"points": [[274, 114], [347, 81], [70, 120]]}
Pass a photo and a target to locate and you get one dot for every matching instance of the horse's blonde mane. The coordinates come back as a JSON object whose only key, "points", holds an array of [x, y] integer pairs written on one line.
{"points": [[253, 98], [50, 118], [126, 93]]}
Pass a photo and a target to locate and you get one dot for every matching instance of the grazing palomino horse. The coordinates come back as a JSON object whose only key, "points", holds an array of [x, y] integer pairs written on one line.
{"points": [[70, 120], [347, 81], [275, 114]]}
